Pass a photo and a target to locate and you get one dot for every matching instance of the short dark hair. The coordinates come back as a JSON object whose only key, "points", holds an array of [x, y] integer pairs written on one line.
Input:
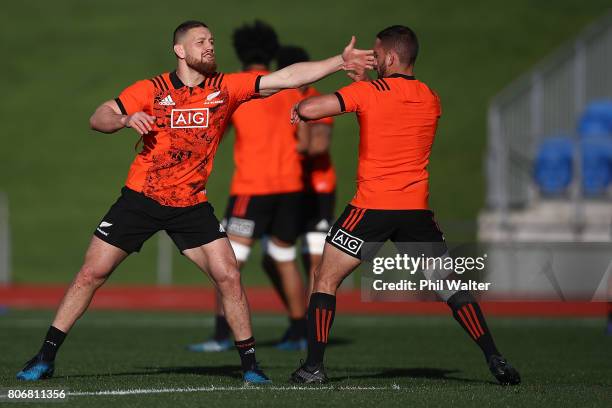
{"points": [[290, 54], [402, 40], [184, 27], [256, 43]]}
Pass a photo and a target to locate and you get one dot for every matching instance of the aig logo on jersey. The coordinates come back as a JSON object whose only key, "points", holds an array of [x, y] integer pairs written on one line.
{"points": [[189, 118], [347, 241]]}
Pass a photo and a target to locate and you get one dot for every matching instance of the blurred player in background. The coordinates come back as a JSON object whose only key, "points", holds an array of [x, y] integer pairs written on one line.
{"points": [[266, 190], [398, 117], [181, 116], [314, 139]]}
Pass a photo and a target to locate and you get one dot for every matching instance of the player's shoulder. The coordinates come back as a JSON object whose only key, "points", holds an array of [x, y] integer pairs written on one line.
{"points": [[428, 91], [360, 89], [160, 82], [409, 85], [394, 83], [233, 76], [239, 80], [360, 85]]}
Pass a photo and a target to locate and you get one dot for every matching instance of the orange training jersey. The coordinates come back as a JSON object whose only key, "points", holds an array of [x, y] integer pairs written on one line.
{"points": [[398, 117], [319, 173], [265, 151], [177, 156]]}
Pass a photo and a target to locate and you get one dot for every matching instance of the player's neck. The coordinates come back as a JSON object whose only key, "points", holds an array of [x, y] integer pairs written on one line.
{"points": [[190, 77], [400, 71]]}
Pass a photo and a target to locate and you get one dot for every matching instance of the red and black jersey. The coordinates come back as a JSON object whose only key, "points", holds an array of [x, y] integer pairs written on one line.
{"points": [[177, 156]]}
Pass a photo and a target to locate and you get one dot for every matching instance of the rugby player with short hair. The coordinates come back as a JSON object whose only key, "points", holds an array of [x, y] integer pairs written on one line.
{"points": [[266, 189], [398, 116], [181, 116]]}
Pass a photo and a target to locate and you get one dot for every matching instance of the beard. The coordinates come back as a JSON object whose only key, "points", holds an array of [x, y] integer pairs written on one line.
{"points": [[203, 67], [381, 70]]}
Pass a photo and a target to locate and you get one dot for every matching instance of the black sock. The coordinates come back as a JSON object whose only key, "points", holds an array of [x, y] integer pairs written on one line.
{"points": [[321, 312], [222, 329], [54, 339], [467, 312], [246, 350], [297, 329]]}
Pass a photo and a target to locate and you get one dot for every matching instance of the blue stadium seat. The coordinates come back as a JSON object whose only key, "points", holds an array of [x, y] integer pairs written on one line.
{"points": [[596, 119], [596, 165], [553, 165]]}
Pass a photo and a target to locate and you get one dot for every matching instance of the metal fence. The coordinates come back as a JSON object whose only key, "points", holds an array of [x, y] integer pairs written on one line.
{"points": [[546, 101]]}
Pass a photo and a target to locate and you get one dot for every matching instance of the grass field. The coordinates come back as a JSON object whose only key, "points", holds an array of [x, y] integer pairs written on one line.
{"points": [[411, 362], [63, 58]]}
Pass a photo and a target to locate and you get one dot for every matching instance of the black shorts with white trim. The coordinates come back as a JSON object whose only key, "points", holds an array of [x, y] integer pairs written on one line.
{"points": [[134, 218]]}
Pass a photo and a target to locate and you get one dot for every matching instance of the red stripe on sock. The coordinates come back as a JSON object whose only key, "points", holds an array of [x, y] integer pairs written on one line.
{"points": [[473, 325], [475, 316], [317, 319], [323, 325], [329, 316], [466, 324]]}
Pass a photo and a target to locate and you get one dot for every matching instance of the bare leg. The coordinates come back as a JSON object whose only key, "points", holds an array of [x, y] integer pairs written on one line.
{"points": [[313, 262], [269, 266], [222, 330], [218, 303], [241, 240], [218, 261], [101, 259], [334, 267], [292, 284]]}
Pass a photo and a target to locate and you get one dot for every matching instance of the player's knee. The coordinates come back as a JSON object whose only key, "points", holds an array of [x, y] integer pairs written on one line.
{"points": [[440, 274], [324, 282], [280, 253], [229, 279], [89, 276]]}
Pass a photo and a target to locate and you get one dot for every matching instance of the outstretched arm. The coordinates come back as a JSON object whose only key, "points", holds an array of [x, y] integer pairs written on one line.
{"points": [[304, 73], [316, 107], [109, 119]]}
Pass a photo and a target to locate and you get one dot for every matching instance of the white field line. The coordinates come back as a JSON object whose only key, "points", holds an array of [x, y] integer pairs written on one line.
{"points": [[178, 321], [224, 389]]}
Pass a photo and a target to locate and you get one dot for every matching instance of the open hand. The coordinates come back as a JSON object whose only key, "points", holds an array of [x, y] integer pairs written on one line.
{"points": [[355, 59], [140, 121]]}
